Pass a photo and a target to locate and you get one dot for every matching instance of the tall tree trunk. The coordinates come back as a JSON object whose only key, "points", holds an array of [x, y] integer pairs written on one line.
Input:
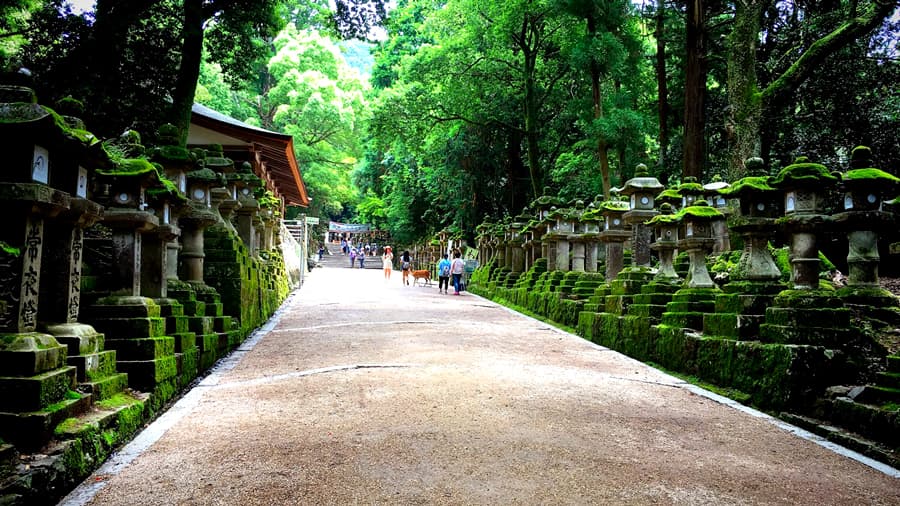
{"points": [[597, 97], [189, 70], [662, 86], [531, 108], [694, 90], [745, 108]]}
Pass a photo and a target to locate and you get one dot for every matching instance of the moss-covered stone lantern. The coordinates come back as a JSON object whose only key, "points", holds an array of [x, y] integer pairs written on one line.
{"points": [[665, 226], [33, 369], [698, 241], [246, 183], [591, 220], [576, 238], [670, 196], [804, 185], [129, 216], [641, 191], [865, 190], [561, 229], [541, 207], [712, 193], [755, 281], [223, 199], [615, 233], [697, 296], [805, 314], [200, 183]]}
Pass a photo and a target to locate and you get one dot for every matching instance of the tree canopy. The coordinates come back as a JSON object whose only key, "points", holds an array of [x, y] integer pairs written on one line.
{"points": [[439, 113]]}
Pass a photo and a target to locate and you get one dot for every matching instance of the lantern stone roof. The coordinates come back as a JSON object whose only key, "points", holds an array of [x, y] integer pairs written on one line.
{"points": [[642, 181], [270, 153], [803, 173], [701, 210], [749, 184]]}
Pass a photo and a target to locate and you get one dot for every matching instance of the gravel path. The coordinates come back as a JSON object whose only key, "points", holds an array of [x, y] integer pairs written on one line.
{"points": [[368, 392]]}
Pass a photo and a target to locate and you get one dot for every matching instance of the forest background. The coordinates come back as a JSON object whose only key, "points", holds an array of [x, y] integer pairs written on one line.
{"points": [[416, 116]]}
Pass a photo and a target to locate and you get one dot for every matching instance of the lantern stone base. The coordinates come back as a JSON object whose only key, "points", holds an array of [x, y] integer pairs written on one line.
{"points": [[688, 307], [806, 317], [136, 331], [741, 310], [651, 302]]}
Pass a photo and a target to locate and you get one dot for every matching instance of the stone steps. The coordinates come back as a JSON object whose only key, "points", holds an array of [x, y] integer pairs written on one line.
{"points": [[845, 438]]}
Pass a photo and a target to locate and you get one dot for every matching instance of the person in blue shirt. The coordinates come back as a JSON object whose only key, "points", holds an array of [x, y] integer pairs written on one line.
{"points": [[443, 268]]}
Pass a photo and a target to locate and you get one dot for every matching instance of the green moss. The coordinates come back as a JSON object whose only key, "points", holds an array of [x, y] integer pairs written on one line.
{"points": [[130, 167], [803, 173], [749, 184], [870, 174], [701, 210], [206, 175], [614, 205], [9, 250], [690, 187], [669, 193]]}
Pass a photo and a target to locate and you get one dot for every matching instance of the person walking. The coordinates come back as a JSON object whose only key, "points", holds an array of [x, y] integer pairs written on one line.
{"points": [[387, 262], [362, 259], [405, 265], [443, 269], [457, 267], [352, 256]]}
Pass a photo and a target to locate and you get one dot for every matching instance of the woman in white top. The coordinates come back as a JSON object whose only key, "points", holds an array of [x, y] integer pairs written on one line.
{"points": [[387, 262]]}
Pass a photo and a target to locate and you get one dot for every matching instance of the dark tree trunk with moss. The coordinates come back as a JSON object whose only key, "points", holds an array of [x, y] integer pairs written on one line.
{"points": [[189, 71], [662, 86], [748, 101], [694, 90], [597, 97]]}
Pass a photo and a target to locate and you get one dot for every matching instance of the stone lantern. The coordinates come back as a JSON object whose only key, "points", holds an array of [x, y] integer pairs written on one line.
{"points": [[713, 193], [615, 232], [562, 226], [129, 216], [591, 220], [641, 191], [200, 183], [698, 240], [863, 218], [34, 370], [690, 191], [755, 282], [160, 248], [223, 199], [805, 314], [804, 186], [576, 238], [245, 186], [670, 196], [760, 205], [516, 244], [666, 226], [697, 296]]}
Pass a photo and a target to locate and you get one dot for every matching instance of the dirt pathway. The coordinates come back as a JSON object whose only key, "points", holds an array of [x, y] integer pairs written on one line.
{"points": [[367, 392]]}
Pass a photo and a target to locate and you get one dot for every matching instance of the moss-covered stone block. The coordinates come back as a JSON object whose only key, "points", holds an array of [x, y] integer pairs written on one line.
{"points": [[147, 375], [126, 328], [607, 329], [806, 317], [33, 393], [149, 348], [188, 363], [105, 387], [685, 319], [121, 307], [93, 365], [201, 325], [30, 353]]}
